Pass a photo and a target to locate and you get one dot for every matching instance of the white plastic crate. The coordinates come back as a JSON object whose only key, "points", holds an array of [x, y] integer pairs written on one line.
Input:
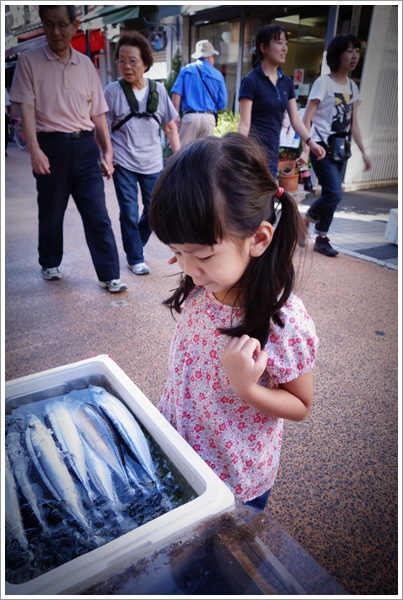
{"points": [[213, 496]]}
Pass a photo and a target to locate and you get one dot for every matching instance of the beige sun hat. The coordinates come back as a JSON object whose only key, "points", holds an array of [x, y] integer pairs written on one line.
{"points": [[204, 49]]}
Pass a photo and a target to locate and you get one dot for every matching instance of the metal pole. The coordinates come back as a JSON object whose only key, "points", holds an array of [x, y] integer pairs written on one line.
{"points": [[87, 35]]}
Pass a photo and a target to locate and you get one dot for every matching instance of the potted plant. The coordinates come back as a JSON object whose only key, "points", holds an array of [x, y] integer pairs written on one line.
{"points": [[288, 172]]}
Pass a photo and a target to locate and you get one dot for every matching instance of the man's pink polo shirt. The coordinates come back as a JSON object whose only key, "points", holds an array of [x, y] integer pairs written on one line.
{"points": [[65, 96]]}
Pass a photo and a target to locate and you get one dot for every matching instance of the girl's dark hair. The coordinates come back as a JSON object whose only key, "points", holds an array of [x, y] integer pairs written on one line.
{"points": [[264, 36], [71, 9], [136, 39], [216, 188], [337, 46]]}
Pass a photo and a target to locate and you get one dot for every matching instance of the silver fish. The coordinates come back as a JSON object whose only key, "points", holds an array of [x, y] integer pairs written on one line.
{"points": [[51, 467], [100, 436], [101, 476], [128, 429], [13, 514], [70, 441], [19, 462]]}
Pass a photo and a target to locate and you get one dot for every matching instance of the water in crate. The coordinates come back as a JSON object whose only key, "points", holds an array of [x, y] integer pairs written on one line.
{"points": [[80, 472]]}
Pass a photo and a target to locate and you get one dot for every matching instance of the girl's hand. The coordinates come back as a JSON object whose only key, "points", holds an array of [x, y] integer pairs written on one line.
{"points": [[303, 158], [244, 362], [318, 150], [367, 162]]}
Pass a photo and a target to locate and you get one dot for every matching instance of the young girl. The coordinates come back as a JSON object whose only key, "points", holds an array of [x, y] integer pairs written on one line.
{"points": [[265, 93], [332, 108], [244, 346]]}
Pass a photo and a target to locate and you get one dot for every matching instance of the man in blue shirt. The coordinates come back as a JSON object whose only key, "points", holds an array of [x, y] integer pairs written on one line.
{"points": [[201, 90]]}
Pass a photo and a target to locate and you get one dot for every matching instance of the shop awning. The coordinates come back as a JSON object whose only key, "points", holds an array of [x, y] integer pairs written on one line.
{"points": [[27, 44], [108, 15], [170, 10]]}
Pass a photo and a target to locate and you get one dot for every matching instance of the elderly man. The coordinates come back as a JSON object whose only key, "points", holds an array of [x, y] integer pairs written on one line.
{"points": [[62, 106], [201, 89]]}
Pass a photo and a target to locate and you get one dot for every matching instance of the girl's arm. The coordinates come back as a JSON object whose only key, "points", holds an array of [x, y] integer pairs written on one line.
{"points": [[307, 120], [356, 133], [171, 131], [245, 113], [244, 363], [303, 132]]}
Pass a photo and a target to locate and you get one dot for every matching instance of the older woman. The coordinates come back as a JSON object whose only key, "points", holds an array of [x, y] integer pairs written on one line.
{"points": [[137, 108]]}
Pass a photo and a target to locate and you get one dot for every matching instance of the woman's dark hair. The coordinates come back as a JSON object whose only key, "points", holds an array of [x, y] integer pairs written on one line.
{"points": [[136, 39], [264, 36], [71, 9], [337, 46], [216, 188]]}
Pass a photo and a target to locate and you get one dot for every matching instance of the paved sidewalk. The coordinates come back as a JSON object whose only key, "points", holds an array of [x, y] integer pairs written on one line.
{"points": [[359, 225], [337, 489]]}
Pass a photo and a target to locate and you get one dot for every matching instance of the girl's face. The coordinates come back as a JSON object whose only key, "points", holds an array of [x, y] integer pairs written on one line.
{"points": [[349, 59], [276, 50], [218, 268], [130, 64]]}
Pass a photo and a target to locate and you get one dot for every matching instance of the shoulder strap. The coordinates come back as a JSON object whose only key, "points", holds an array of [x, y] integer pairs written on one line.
{"points": [[153, 97], [206, 86], [152, 102], [131, 98]]}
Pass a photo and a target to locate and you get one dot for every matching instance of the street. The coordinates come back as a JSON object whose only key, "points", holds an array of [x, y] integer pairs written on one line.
{"points": [[336, 492]]}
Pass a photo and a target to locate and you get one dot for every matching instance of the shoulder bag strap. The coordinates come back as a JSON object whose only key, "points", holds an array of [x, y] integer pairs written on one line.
{"points": [[206, 86]]}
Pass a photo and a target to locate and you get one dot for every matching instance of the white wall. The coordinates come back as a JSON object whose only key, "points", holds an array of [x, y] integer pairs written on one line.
{"points": [[378, 108]]}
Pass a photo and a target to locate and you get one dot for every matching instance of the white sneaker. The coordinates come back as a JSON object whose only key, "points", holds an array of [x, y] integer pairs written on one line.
{"points": [[51, 274], [140, 269], [115, 285]]}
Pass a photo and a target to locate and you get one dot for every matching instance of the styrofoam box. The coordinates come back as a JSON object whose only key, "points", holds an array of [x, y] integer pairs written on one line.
{"points": [[214, 497]]}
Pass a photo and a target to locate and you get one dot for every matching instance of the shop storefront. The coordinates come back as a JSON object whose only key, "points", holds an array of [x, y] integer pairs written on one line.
{"points": [[232, 31]]}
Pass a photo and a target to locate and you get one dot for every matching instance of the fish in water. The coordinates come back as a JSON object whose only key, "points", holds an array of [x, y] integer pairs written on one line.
{"points": [[127, 427], [19, 462], [13, 515], [69, 438], [52, 469], [100, 436], [101, 477]]}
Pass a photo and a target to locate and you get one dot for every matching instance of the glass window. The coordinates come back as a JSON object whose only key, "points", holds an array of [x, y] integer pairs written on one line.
{"points": [[225, 38]]}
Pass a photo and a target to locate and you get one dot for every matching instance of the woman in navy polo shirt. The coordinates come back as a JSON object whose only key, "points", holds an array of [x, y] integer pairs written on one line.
{"points": [[265, 93]]}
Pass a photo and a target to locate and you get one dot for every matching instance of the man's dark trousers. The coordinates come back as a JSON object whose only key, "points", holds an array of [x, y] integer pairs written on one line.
{"points": [[75, 171]]}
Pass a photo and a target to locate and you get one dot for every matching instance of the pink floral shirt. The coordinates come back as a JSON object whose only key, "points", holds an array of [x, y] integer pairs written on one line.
{"points": [[240, 443]]}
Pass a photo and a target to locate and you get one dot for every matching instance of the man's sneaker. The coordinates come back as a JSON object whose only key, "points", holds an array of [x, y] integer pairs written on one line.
{"points": [[51, 274], [322, 245], [115, 285], [139, 269]]}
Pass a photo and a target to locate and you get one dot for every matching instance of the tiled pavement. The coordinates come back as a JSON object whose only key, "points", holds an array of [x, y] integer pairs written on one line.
{"points": [[359, 225]]}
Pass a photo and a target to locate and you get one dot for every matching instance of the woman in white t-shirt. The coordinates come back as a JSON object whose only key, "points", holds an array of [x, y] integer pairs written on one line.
{"points": [[332, 108]]}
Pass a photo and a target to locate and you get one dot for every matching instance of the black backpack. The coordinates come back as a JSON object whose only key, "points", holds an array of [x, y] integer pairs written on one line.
{"points": [[152, 103]]}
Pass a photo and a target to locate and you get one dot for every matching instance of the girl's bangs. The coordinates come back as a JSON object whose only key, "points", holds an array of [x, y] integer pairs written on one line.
{"points": [[184, 213]]}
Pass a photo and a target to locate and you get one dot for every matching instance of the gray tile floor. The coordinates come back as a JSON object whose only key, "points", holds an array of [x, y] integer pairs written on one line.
{"points": [[360, 222]]}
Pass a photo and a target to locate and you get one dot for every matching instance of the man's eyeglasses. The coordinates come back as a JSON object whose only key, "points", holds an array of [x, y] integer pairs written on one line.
{"points": [[52, 26], [132, 62]]}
